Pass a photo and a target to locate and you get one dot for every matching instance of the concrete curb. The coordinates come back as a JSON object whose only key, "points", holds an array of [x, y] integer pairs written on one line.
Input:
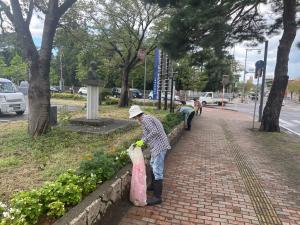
{"points": [[94, 207], [216, 107]]}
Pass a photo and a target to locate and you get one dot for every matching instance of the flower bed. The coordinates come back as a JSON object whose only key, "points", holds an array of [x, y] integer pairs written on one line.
{"points": [[53, 199]]}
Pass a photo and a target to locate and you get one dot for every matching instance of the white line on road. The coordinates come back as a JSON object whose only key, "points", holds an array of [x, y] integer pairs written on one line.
{"points": [[286, 122], [291, 131]]}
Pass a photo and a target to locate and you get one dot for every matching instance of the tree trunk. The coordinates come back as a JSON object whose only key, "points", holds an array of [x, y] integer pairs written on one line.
{"points": [[39, 100], [270, 119], [124, 92]]}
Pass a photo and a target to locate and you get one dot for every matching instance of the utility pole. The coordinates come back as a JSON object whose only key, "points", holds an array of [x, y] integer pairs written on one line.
{"points": [[262, 93], [61, 81], [244, 78], [245, 70]]}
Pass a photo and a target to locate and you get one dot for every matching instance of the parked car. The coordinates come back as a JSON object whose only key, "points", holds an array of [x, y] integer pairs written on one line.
{"points": [[54, 89], [82, 91], [176, 97], [116, 92], [150, 96], [211, 98], [23, 87], [11, 100], [135, 93], [252, 96]]}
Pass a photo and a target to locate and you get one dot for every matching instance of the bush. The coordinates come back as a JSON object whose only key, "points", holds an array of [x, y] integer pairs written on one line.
{"points": [[111, 101], [27, 206], [50, 199], [56, 209], [68, 96], [101, 164], [172, 120]]}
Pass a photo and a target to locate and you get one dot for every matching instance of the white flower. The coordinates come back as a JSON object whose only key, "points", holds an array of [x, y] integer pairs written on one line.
{"points": [[6, 214], [2, 205]]}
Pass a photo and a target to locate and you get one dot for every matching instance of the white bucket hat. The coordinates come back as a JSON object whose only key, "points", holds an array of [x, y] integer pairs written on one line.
{"points": [[134, 111]]}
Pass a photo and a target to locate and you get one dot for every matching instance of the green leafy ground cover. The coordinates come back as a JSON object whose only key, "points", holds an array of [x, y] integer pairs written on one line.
{"points": [[62, 166]]}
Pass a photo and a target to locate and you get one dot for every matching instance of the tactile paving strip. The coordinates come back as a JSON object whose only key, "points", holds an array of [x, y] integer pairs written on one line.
{"points": [[263, 207]]}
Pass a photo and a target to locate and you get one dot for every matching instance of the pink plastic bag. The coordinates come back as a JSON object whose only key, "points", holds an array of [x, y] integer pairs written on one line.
{"points": [[138, 188]]}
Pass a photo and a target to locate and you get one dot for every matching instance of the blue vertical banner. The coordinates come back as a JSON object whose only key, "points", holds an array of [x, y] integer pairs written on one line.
{"points": [[155, 73]]}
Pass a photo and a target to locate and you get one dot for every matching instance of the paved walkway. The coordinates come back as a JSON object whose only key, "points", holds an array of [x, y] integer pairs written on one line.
{"points": [[218, 174]]}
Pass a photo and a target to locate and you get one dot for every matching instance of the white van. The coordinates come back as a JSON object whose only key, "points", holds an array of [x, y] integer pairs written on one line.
{"points": [[11, 100]]}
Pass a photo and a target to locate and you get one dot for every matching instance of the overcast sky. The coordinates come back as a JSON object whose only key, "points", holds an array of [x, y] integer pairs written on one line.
{"points": [[294, 62]]}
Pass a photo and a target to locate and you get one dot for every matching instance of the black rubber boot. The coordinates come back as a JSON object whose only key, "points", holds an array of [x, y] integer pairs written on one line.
{"points": [[156, 199], [151, 187]]}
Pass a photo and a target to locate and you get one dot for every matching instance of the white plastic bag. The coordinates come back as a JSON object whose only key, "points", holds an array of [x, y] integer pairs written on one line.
{"points": [[138, 188]]}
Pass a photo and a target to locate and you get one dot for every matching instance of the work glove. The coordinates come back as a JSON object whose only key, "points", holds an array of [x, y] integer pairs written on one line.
{"points": [[139, 143]]}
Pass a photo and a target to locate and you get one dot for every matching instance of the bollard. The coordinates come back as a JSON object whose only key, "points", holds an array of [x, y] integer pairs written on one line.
{"points": [[53, 116]]}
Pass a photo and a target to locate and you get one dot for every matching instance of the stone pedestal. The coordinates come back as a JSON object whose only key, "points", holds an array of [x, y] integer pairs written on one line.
{"points": [[92, 102]]}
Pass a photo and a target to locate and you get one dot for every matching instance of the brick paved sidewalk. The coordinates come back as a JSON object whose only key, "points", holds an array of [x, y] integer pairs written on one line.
{"points": [[211, 179]]}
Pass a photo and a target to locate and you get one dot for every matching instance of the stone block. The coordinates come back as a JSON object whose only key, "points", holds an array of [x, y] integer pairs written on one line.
{"points": [[116, 190], [93, 210], [106, 196], [103, 207], [126, 178], [81, 219]]}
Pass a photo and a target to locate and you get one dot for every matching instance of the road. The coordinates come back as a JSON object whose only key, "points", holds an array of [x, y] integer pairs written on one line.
{"points": [[289, 116], [4, 118]]}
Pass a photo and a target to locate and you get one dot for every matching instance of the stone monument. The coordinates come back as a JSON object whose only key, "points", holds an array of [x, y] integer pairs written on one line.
{"points": [[93, 83], [93, 124]]}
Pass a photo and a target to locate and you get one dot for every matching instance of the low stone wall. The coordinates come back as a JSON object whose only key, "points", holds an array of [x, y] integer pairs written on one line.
{"points": [[93, 207]]}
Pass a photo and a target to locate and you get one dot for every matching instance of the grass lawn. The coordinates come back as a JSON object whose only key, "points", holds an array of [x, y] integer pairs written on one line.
{"points": [[284, 152], [26, 163]]}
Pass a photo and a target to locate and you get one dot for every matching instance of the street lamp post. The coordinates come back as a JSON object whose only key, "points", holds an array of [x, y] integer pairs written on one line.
{"points": [[61, 80], [245, 70]]}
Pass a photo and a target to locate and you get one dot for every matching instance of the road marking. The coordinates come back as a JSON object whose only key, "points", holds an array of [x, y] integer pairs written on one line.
{"points": [[291, 131], [296, 121], [286, 122]]}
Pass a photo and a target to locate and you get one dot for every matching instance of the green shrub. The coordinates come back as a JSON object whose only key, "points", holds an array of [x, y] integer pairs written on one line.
{"points": [[172, 120], [27, 205], [71, 194], [111, 101], [69, 177], [65, 189], [105, 95], [50, 192], [56, 209], [88, 183], [68, 96], [101, 164]]}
